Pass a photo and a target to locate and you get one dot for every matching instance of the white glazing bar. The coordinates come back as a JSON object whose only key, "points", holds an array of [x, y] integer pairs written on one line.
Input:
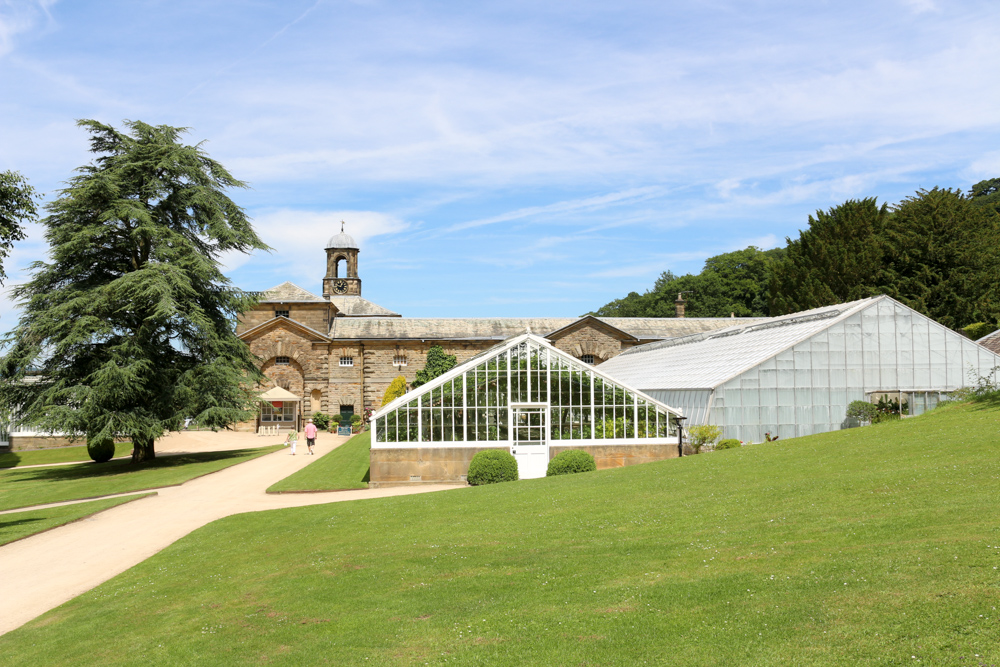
{"points": [[465, 407], [593, 412], [420, 420], [635, 418]]}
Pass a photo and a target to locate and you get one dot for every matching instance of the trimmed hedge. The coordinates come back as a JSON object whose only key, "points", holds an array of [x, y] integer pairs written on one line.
{"points": [[570, 462], [101, 449], [491, 466], [728, 443]]}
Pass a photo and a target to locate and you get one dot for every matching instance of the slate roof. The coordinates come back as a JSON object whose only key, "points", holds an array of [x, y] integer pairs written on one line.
{"points": [[706, 360], [991, 342], [288, 292], [355, 306], [501, 328]]}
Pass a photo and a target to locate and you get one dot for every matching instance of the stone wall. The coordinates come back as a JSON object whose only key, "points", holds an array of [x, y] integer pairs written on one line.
{"points": [[313, 315], [26, 442], [589, 340], [618, 456], [394, 467]]}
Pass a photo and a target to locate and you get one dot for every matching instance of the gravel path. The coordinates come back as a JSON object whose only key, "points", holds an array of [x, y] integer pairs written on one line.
{"points": [[48, 569]]}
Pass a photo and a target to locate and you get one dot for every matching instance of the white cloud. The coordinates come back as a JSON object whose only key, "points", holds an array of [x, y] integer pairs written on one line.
{"points": [[20, 16]]}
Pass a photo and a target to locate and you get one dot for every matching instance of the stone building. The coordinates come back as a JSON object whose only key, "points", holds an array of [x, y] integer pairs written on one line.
{"points": [[339, 351]]}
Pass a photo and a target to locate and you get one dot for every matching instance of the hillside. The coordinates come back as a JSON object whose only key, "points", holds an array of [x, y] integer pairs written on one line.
{"points": [[871, 546]]}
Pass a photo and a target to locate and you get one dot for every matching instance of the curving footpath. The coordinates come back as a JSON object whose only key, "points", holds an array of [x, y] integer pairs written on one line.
{"points": [[45, 570]]}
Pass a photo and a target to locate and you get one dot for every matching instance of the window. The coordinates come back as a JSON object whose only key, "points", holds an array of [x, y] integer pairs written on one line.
{"points": [[282, 361], [347, 361], [277, 412], [281, 313], [399, 360], [587, 359]]}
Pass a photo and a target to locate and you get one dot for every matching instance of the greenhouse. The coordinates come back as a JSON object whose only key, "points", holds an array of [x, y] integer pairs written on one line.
{"points": [[523, 395], [795, 375]]}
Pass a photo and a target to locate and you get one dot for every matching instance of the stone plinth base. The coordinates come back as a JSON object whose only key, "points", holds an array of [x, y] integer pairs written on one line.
{"points": [[26, 442], [449, 465], [618, 456]]}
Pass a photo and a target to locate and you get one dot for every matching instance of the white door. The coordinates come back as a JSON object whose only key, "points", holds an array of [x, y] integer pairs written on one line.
{"points": [[529, 447]]}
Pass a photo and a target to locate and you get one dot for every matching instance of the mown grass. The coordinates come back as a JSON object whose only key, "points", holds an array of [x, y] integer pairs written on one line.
{"points": [[38, 486], [55, 455], [18, 525], [875, 546], [345, 467]]}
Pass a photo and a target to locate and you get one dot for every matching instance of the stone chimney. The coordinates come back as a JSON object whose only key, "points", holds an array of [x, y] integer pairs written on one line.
{"points": [[679, 304]]}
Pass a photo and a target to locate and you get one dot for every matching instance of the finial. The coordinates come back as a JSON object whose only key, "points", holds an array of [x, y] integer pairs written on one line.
{"points": [[341, 226]]}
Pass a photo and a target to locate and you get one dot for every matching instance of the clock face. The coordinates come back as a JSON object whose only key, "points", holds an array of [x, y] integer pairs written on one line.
{"points": [[340, 286]]}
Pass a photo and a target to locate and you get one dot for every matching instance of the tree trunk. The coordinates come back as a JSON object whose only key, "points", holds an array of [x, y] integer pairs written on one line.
{"points": [[142, 449]]}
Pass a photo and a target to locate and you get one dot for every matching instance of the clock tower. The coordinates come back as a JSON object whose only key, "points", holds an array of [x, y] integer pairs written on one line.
{"points": [[341, 266]]}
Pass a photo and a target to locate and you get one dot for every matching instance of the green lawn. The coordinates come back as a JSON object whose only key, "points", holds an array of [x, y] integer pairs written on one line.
{"points": [[37, 486], [19, 525], [56, 455], [345, 467], [875, 546]]}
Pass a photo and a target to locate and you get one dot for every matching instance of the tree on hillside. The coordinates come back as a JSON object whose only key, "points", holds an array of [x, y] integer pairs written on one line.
{"points": [[944, 257], [438, 363], [838, 258], [130, 327], [733, 282], [17, 205]]}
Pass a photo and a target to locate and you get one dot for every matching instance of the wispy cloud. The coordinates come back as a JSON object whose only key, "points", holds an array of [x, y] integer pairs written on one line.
{"points": [[20, 16]]}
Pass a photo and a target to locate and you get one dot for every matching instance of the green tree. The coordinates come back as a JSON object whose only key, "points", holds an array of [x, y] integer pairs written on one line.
{"points": [[17, 205], [944, 257], [438, 363], [130, 326], [730, 283], [838, 258], [987, 194], [395, 389]]}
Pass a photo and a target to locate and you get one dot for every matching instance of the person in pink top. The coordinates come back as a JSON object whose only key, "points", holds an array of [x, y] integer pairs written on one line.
{"points": [[311, 436]]}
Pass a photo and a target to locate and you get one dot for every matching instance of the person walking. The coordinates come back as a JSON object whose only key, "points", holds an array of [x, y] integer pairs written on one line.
{"points": [[311, 436], [292, 440]]}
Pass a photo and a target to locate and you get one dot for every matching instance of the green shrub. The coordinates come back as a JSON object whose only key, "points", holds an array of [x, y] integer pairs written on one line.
{"points": [[321, 421], [705, 434], [395, 389], [978, 330], [355, 419], [101, 448], [569, 462], [491, 466], [728, 443], [863, 411]]}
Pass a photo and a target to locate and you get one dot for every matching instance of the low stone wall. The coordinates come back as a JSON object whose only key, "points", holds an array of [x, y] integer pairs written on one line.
{"points": [[396, 467], [25, 442], [618, 456], [400, 467]]}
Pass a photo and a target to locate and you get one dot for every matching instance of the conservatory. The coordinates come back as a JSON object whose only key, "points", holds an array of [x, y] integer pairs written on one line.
{"points": [[525, 396], [795, 375]]}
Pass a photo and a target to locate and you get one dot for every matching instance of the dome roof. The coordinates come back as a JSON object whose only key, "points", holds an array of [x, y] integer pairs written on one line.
{"points": [[342, 240]]}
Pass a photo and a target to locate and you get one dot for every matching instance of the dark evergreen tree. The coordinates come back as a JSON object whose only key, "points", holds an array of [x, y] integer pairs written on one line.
{"points": [[130, 326], [17, 205], [943, 257], [987, 193], [438, 363], [730, 283], [838, 258]]}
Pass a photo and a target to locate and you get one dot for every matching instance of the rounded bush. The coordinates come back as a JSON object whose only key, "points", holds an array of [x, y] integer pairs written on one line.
{"points": [[572, 461], [101, 449], [728, 443], [491, 466]]}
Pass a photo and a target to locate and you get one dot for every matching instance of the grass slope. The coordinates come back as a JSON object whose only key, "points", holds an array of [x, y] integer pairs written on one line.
{"points": [[345, 467], [20, 525], [55, 455], [875, 546], [38, 486]]}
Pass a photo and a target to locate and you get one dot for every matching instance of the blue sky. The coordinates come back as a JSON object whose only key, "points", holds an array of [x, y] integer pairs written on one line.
{"points": [[515, 158]]}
